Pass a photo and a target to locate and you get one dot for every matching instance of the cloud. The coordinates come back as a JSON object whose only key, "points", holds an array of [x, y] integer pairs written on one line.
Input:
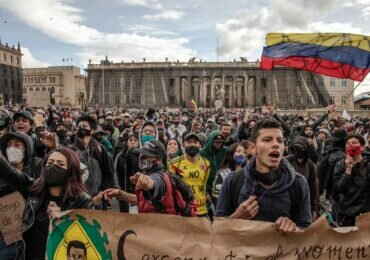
{"points": [[165, 15], [145, 3], [244, 34], [28, 61], [148, 30], [63, 22]]}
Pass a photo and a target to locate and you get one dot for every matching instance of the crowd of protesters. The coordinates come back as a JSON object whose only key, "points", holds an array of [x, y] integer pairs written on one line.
{"points": [[254, 164]]}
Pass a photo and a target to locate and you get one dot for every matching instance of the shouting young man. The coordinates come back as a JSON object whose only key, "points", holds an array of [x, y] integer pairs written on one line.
{"points": [[269, 189]]}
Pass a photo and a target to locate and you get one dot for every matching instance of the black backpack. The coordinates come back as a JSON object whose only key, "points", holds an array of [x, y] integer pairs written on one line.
{"points": [[237, 181]]}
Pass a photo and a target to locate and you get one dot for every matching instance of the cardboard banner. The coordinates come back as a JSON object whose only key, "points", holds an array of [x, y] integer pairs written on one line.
{"points": [[11, 212], [102, 235]]}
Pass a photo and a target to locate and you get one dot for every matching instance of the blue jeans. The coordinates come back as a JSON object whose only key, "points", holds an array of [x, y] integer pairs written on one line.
{"points": [[8, 252]]}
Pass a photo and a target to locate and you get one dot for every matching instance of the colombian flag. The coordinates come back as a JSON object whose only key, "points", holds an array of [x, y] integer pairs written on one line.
{"points": [[339, 55], [193, 105]]}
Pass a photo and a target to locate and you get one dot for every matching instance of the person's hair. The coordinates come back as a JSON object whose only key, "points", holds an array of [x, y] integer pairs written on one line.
{"points": [[108, 127], [88, 119], [359, 137], [74, 186], [224, 124], [76, 244], [264, 124], [228, 161]]}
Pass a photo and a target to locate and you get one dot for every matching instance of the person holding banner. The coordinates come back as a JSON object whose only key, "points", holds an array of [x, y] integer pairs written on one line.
{"points": [[59, 188], [268, 189]]}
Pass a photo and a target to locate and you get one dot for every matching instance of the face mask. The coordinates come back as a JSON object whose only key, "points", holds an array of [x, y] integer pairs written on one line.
{"points": [[82, 132], [61, 133], [299, 153], [14, 155], [239, 159], [266, 178], [145, 165], [101, 121], [185, 118], [192, 150], [55, 176], [353, 150], [146, 138]]}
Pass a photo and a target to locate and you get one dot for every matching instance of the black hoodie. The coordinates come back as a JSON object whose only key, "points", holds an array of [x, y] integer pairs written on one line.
{"points": [[308, 169]]}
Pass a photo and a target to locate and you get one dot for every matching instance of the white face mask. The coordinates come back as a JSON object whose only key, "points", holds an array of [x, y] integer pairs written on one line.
{"points": [[14, 155]]}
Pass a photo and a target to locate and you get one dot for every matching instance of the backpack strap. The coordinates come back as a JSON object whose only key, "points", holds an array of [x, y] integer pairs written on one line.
{"points": [[295, 198], [236, 183]]}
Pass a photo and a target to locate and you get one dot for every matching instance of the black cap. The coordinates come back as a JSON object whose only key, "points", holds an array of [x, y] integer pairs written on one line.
{"points": [[23, 113], [191, 135], [153, 148], [339, 135]]}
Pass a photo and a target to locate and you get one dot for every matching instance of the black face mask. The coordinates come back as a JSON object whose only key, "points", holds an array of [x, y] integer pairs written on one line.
{"points": [[146, 165], [299, 153], [61, 133], [192, 150], [82, 132], [266, 178], [55, 176]]}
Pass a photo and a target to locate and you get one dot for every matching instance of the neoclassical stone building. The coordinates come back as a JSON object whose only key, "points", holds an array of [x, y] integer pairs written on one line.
{"points": [[237, 84], [10, 74]]}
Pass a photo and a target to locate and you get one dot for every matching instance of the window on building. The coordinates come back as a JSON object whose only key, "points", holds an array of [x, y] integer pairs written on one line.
{"points": [[344, 100], [116, 83], [106, 84], [321, 100], [43, 89], [128, 99], [24, 91], [310, 82], [4, 57], [309, 100], [332, 100], [31, 89], [11, 59], [117, 100], [263, 82], [138, 100], [138, 84], [332, 82], [106, 99], [96, 85], [96, 100], [321, 82], [17, 61], [12, 84], [6, 83], [344, 83], [37, 89], [298, 100], [128, 84]]}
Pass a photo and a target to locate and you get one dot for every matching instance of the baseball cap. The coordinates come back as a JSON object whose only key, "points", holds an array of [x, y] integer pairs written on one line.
{"points": [[23, 113], [153, 148], [191, 135]]}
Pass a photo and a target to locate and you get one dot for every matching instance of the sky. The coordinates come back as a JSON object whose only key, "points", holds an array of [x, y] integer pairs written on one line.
{"points": [[125, 30]]}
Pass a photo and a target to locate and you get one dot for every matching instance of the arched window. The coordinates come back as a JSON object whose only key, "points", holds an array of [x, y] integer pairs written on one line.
{"points": [[43, 89], [31, 89], [37, 89]]}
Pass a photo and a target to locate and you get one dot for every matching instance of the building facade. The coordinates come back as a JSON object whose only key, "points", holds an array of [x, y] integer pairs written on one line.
{"points": [[59, 85], [236, 84], [10, 74]]}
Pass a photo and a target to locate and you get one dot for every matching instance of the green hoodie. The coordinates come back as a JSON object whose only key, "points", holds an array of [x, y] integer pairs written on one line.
{"points": [[214, 158]]}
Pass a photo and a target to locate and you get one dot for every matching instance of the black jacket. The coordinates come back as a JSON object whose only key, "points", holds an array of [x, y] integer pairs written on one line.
{"points": [[352, 190], [21, 183]]}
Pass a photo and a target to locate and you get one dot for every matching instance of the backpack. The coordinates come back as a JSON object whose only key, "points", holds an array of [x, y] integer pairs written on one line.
{"points": [[184, 201], [237, 181]]}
